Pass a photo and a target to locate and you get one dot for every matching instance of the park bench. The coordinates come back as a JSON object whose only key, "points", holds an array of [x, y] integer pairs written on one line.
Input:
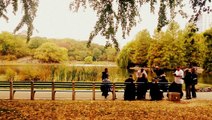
{"points": [[54, 87]]}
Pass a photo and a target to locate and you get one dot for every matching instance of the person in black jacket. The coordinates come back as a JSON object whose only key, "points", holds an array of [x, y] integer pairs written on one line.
{"points": [[105, 74], [155, 92], [194, 82], [129, 92], [188, 83], [142, 87]]}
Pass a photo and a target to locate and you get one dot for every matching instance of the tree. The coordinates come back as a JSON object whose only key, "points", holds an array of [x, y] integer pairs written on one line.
{"points": [[12, 45], [166, 50], [36, 42], [194, 46], [88, 60], [140, 48], [124, 57], [50, 52], [111, 14], [208, 59], [96, 54]]}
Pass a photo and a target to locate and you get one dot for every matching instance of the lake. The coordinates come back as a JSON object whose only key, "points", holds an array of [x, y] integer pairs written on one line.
{"points": [[58, 72]]}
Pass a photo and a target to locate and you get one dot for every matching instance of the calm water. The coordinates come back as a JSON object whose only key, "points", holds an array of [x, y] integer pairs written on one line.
{"points": [[76, 73]]}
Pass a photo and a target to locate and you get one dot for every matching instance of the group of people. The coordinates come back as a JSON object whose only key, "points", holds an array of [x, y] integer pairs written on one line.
{"points": [[137, 90], [189, 77], [156, 90]]}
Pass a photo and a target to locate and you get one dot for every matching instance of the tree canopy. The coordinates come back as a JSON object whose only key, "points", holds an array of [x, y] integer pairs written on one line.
{"points": [[168, 49], [112, 14]]}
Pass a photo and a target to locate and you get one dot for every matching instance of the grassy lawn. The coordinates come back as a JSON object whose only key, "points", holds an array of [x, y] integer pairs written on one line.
{"points": [[121, 110]]}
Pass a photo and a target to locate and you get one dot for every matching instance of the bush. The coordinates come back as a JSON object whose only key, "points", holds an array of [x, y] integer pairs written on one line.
{"points": [[50, 52], [88, 60], [10, 74]]}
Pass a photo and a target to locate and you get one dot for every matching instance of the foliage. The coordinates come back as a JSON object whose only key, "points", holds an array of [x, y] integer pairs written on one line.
{"points": [[136, 51], [126, 13], [11, 45], [174, 47], [194, 46], [110, 54], [88, 60], [36, 42], [111, 14], [140, 47], [29, 8], [118, 110], [208, 59], [10, 74], [50, 52]]}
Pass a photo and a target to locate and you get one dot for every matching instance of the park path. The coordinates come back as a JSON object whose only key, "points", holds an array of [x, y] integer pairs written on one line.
{"points": [[86, 96]]}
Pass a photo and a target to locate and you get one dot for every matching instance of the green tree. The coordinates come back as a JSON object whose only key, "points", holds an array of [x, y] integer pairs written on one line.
{"points": [[96, 54], [123, 59], [166, 50], [208, 59], [88, 60], [50, 52], [140, 48], [194, 46], [36, 42], [12, 45], [110, 54]]}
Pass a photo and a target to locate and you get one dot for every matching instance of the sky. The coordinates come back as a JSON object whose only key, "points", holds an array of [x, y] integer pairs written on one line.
{"points": [[55, 20]]}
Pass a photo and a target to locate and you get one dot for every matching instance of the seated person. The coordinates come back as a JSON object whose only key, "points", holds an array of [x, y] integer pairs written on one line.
{"points": [[105, 87], [142, 87], [175, 88], [129, 92], [155, 92], [163, 83]]}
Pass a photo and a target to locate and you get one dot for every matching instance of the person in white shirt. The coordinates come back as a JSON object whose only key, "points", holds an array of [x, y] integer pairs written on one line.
{"points": [[140, 73], [179, 75], [178, 79]]}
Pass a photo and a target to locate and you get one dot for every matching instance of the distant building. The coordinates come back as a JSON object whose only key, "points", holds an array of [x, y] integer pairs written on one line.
{"points": [[204, 21]]}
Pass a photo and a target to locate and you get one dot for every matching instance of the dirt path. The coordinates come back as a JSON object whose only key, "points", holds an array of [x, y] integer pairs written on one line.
{"points": [[86, 96]]}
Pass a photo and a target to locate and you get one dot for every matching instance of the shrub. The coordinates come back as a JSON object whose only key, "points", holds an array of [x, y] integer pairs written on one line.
{"points": [[50, 52], [10, 74], [88, 60]]}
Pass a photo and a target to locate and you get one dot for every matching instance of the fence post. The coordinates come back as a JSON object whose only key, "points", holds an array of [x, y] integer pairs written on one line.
{"points": [[53, 91], [94, 90], [11, 90], [73, 90], [32, 90], [114, 92]]}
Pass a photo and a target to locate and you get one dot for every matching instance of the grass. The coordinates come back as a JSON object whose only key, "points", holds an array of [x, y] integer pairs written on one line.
{"points": [[119, 110]]}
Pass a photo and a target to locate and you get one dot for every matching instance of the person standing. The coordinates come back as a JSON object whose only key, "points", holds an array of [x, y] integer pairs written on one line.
{"points": [[159, 72], [194, 82], [141, 72], [105, 74], [129, 92], [178, 79], [188, 83]]}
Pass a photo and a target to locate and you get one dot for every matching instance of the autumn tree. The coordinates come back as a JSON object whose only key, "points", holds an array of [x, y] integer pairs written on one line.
{"points": [[166, 50], [12, 46], [50, 52]]}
